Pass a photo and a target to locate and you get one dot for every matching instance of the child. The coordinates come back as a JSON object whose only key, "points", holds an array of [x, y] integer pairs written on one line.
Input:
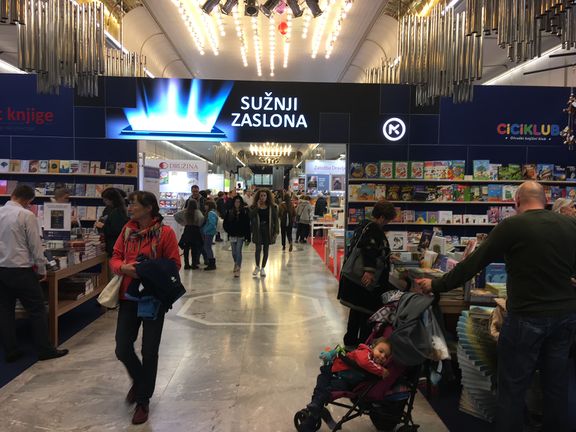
{"points": [[340, 377]]}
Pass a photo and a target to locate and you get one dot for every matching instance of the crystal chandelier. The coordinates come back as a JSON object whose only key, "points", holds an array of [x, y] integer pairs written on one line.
{"points": [[270, 150]]}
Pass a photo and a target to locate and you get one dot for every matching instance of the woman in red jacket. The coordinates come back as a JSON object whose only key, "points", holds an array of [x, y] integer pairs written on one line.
{"points": [[143, 236]]}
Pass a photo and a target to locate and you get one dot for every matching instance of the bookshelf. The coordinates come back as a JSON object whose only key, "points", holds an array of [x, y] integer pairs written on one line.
{"points": [[434, 224], [454, 181], [511, 203], [67, 174]]}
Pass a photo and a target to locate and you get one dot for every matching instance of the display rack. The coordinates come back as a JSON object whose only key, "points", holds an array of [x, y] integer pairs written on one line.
{"points": [[454, 181]]}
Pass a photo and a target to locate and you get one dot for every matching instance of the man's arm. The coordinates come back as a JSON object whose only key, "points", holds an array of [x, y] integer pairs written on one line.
{"points": [[491, 249]]}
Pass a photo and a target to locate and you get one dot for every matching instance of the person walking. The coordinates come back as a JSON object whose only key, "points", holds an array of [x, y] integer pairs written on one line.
{"points": [[371, 239], [320, 209], [201, 200], [209, 231], [115, 219], [22, 267], [304, 216], [191, 240], [237, 225], [264, 227], [143, 236], [539, 248], [286, 213]]}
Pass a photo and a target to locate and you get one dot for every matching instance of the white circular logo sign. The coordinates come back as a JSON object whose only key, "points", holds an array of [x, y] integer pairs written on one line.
{"points": [[394, 129]]}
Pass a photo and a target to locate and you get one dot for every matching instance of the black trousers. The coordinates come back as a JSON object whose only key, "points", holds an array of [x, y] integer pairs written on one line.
{"points": [[357, 330], [22, 284], [303, 232], [286, 232], [143, 372]]}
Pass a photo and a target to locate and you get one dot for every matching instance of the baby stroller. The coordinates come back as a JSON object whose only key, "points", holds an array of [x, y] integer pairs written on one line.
{"points": [[389, 410]]}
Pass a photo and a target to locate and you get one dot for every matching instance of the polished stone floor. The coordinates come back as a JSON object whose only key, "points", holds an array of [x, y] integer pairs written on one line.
{"points": [[237, 355]]}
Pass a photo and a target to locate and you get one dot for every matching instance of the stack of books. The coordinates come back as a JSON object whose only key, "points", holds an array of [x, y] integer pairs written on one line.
{"points": [[477, 360]]}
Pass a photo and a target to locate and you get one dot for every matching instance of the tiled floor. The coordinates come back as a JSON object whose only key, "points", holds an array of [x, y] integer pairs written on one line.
{"points": [[237, 355]]}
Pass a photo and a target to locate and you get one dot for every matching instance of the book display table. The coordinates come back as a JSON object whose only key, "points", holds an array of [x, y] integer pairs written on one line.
{"points": [[57, 306]]}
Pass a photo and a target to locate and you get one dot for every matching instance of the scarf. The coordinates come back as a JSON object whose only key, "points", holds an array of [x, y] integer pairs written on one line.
{"points": [[134, 236]]}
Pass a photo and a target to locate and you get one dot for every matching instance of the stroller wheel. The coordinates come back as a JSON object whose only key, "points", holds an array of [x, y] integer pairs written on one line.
{"points": [[302, 416]]}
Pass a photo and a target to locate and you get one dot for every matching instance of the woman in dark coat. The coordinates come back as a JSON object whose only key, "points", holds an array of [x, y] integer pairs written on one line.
{"points": [[264, 227], [192, 219], [237, 225], [115, 219], [287, 214], [375, 251]]}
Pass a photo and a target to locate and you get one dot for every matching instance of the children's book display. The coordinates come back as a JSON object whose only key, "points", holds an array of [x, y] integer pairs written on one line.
{"points": [[77, 190], [78, 167]]}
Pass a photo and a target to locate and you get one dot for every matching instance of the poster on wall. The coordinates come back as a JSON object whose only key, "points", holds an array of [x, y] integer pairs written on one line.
{"points": [[338, 182], [323, 183], [311, 184]]}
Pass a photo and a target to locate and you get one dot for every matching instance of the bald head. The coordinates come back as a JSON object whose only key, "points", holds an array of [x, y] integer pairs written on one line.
{"points": [[530, 195]]}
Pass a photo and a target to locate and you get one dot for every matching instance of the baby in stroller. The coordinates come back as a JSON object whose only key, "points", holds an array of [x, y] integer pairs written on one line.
{"points": [[345, 374]]}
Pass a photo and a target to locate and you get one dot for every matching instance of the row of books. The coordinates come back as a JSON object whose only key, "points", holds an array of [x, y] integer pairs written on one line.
{"points": [[78, 286], [88, 190], [87, 213], [68, 167], [494, 215], [482, 169], [449, 193]]}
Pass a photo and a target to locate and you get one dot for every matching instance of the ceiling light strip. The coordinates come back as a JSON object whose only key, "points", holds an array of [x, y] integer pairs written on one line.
{"points": [[257, 45], [220, 23], [210, 30], [287, 39], [306, 26], [241, 35], [272, 44], [187, 18], [318, 33], [337, 28]]}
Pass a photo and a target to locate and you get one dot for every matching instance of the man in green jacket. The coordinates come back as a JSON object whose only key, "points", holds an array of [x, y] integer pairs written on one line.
{"points": [[539, 248]]}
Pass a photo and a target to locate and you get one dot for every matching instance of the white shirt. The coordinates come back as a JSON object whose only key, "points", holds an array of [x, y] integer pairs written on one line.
{"points": [[20, 243]]}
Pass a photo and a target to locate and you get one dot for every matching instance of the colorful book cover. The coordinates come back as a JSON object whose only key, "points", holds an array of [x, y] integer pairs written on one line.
{"points": [[420, 193], [4, 165], [24, 166], [111, 168], [445, 217], [509, 192], [15, 165], [445, 192], [398, 217], [407, 193], [496, 273], [90, 190], [100, 188], [121, 170], [368, 213], [380, 192], [429, 170], [393, 193], [548, 193], [386, 169], [506, 212], [494, 171], [84, 167], [493, 214], [74, 166], [416, 170], [366, 192], [458, 169], [431, 193], [555, 193], [432, 217], [356, 170], [408, 216], [545, 171], [3, 187], [50, 188], [494, 192], [400, 170], [398, 240], [481, 170], [65, 166], [461, 193], [442, 170], [40, 189], [355, 215], [354, 192], [131, 168], [457, 219], [515, 172], [43, 166], [571, 173], [80, 189], [34, 166], [559, 173], [529, 172], [476, 193], [95, 167], [503, 173]]}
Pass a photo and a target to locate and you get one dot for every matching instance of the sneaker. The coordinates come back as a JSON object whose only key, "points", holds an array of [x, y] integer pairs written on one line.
{"points": [[262, 273], [256, 271], [237, 273], [140, 414], [235, 268]]}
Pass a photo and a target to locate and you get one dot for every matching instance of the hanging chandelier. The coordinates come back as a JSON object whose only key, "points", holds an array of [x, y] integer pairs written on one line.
{"points": [[270, 150], [264, 26]]}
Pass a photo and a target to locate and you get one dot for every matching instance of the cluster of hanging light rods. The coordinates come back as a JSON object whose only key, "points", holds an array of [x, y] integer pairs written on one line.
{"points": [[208, 25]]}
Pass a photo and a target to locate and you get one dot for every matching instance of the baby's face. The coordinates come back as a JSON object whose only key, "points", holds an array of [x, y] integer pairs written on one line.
{"points": [[381, 352]]}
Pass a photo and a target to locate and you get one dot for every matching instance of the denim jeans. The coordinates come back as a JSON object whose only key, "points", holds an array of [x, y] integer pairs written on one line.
{"points": [[209, 253], [237, 251], [527, 344]]}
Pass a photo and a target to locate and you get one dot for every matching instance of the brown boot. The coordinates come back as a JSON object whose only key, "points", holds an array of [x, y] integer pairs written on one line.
{"points": [[140, 414]]}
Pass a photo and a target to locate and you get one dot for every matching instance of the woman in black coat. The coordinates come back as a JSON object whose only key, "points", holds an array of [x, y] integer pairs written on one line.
{"points": [[372, 241], [237, 225], [114, 220], [191, 241]]}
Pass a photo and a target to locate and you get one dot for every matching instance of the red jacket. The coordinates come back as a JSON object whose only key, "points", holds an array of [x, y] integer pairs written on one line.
{"points": [[363, 357], [126, 251]]}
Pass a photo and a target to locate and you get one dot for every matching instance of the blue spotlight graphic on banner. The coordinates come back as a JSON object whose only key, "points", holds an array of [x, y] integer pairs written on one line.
{"points": [[173, 109]]}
